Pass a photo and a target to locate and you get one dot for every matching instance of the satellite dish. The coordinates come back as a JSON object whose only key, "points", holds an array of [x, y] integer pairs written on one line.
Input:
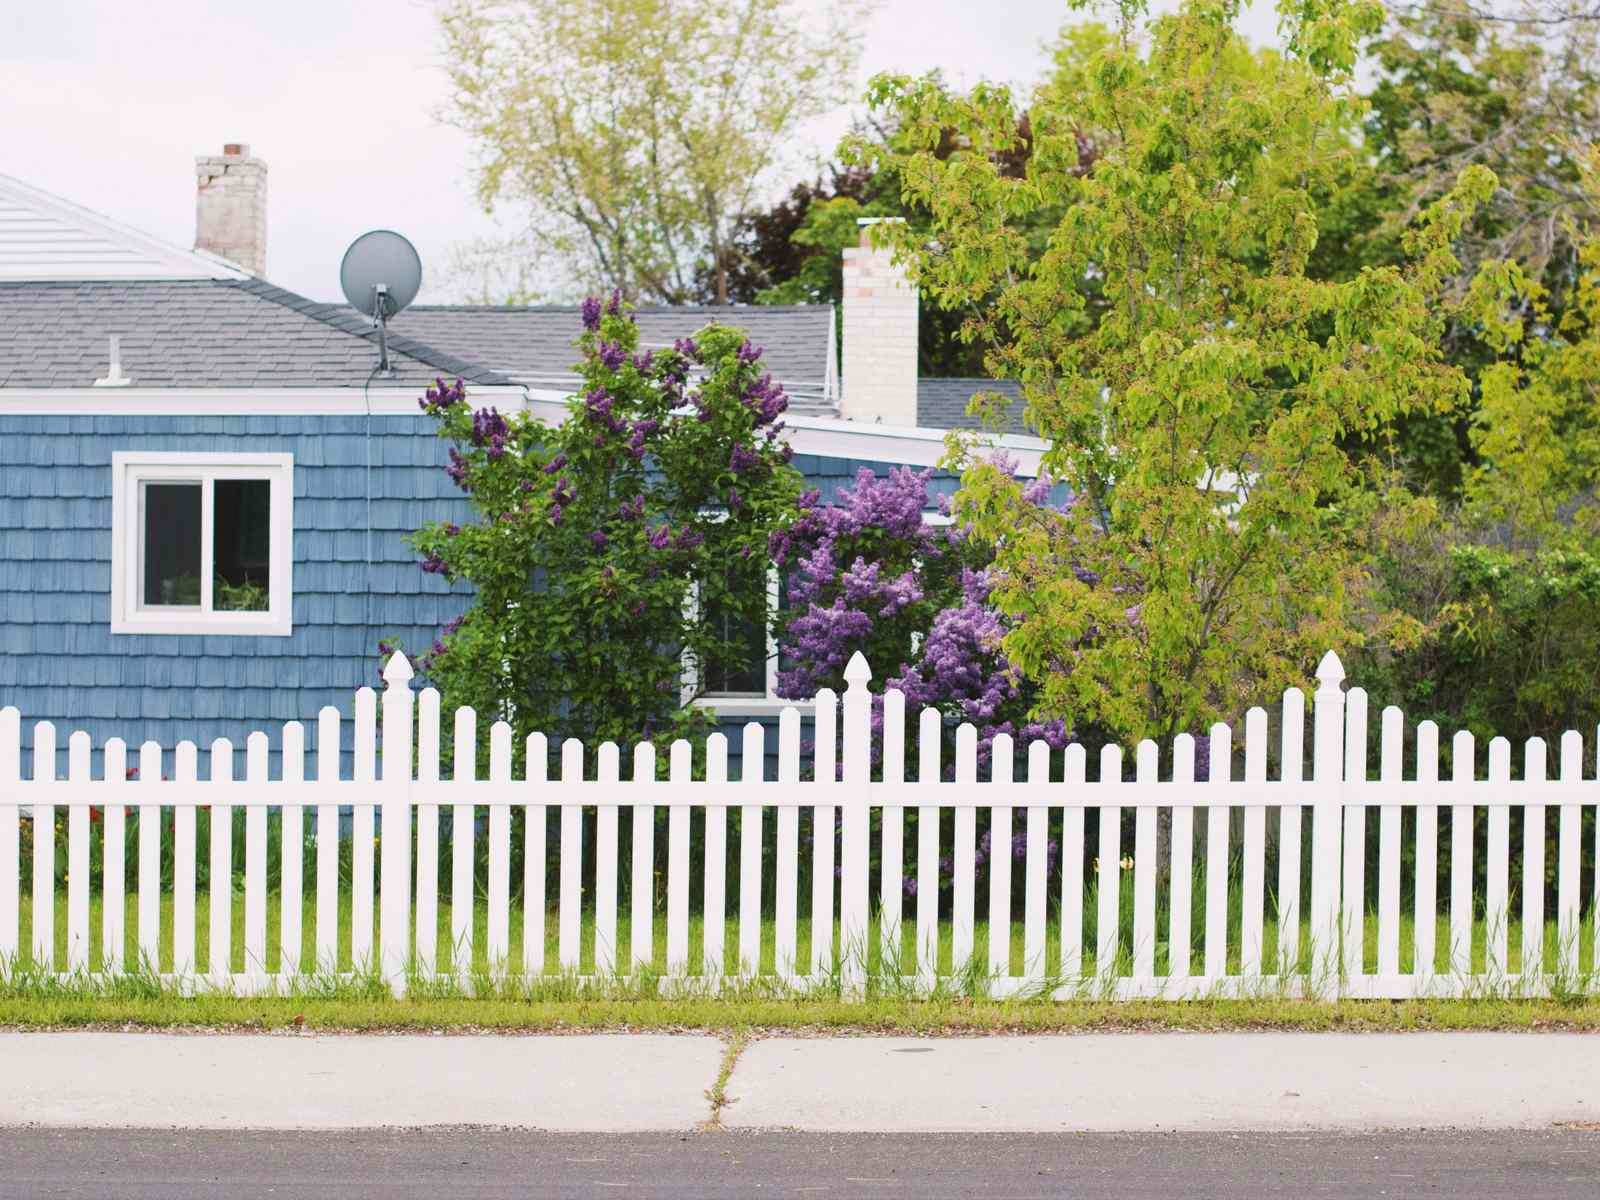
{"points": [[380, 274]]}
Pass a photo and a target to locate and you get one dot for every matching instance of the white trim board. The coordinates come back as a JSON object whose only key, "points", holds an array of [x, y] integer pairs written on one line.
{"points": [[826, 437]]}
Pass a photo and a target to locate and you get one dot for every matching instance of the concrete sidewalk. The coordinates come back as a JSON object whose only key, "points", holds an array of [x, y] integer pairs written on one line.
{"points": [[244, 1081], [1175, 1081], [1090, 1082]]}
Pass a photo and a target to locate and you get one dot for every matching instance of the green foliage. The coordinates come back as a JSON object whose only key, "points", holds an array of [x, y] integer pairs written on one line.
{"points": [[609, 549], [1197, 384], [629, 134]]}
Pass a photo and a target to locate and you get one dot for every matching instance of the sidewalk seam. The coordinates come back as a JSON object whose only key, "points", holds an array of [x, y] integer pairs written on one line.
{"points": [[717, 1093]]}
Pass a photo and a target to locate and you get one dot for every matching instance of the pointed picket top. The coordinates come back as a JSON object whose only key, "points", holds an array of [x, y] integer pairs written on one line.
{"points": [[397, 670], [1330, 671], [857, 673]]}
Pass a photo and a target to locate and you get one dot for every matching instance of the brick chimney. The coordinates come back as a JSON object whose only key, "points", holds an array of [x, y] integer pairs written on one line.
{"points": [[230, 212], [880, 336]]}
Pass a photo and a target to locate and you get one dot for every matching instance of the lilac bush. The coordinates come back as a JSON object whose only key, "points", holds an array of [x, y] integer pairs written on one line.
{"points": [[868, 573], [589, 536]]}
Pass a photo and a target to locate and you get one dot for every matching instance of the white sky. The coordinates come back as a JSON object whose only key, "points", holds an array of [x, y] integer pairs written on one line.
{"points": [[107, 102]]}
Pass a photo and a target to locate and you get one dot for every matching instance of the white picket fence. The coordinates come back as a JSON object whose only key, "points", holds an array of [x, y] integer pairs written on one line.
{"points": [[395, 800]]}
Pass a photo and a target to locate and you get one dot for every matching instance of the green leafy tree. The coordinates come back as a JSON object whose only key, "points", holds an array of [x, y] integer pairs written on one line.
{"points": [[1197, 384], [628, 135], [610, 548]]}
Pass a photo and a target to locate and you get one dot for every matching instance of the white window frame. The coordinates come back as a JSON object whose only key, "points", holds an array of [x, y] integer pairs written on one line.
{"points": [[130, 470], [771, 704]]}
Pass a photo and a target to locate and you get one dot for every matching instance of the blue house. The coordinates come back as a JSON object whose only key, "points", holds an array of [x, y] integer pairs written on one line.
{"points": [[206, 485]]}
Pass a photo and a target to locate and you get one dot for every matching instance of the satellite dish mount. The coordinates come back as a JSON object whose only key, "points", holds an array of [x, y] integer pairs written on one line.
{"points": [[381, 274]]}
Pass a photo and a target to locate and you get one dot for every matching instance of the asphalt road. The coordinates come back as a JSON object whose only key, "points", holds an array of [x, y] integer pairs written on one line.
{"points": [[1555, 1164]]}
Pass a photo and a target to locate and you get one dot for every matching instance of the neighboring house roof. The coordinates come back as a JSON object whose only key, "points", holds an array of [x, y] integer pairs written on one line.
{"points": [[235, 333], [534, 344], [45, 237], [942, 403]]}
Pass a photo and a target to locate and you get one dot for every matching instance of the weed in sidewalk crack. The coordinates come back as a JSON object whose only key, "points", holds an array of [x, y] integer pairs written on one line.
{"points": [[717, 1093]]}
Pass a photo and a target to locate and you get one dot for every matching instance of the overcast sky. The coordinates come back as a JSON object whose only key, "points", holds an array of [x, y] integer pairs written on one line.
{"points": [[106, 103]]}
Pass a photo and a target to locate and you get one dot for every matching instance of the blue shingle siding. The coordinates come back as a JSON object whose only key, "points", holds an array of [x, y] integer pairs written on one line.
{"points": [[59, 660]]}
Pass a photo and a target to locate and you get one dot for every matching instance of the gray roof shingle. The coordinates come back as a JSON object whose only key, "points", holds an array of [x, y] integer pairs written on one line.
{"points": [[534, 344], [202, 333], [942, 403]]}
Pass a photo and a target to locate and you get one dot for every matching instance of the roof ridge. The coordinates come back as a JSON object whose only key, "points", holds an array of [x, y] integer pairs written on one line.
{"points": [[345, 319]]}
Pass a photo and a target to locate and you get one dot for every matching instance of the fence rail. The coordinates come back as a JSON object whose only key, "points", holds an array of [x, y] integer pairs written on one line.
{"points": [[1115, 887]]}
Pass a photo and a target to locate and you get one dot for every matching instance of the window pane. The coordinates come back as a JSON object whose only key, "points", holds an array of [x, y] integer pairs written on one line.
{"points": [[170, 536], [744, 671], [241, 544]]}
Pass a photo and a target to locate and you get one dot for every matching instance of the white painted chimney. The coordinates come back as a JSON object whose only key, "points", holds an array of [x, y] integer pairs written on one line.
{"points": [[230, 212], [880, 336]]}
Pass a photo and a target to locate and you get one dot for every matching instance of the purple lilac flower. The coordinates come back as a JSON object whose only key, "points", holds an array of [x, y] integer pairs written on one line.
{"points": [[434, 565], [612, 356], [749, 352], [631, 510], [555, 464], [591, 314], [599, 538], [660, 537], [442, 396], [743, 458]]}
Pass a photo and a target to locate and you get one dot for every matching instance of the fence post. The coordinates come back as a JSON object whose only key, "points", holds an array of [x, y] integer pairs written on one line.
{"points": [[1326, 818], [855, 825], [394, 881]]}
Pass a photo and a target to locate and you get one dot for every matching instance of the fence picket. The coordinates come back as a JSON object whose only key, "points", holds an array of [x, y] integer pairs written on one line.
{"points": [[535, 835], [394, 889], [1074, 775], [1426, 904], [427, 908], [1462, 754], [1002, 765], [1327, 770], [113, 865], [1146, 769], [608, 770], [1390, 769], [78, 748], [787, 883], [569, 920], [714, 906], [291, 839], [855, 825], [1533, 835], [930, 726], [44, 850], [1253, 896], [1180, 936], [1108, 875], [463, 854], [963, 915], [642, 891], [754, 751], [328, 736], [255, 863], [185, 858], [1497, 882], [150, 860], [1569, 860], [822, 883], [363, 831], [219, 960], [1353, 913], [1291, 819], [10, 835], [497, 923], [1035, 896], [892, 852], [680, 772], [1217, 820]]}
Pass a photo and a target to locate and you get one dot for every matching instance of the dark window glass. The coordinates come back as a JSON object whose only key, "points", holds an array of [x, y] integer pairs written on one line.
{"points": [[744, 671], [171, 520], [241, 540]]}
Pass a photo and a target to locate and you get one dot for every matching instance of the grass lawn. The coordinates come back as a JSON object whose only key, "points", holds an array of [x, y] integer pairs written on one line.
{"points": [[555, 1001]]}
